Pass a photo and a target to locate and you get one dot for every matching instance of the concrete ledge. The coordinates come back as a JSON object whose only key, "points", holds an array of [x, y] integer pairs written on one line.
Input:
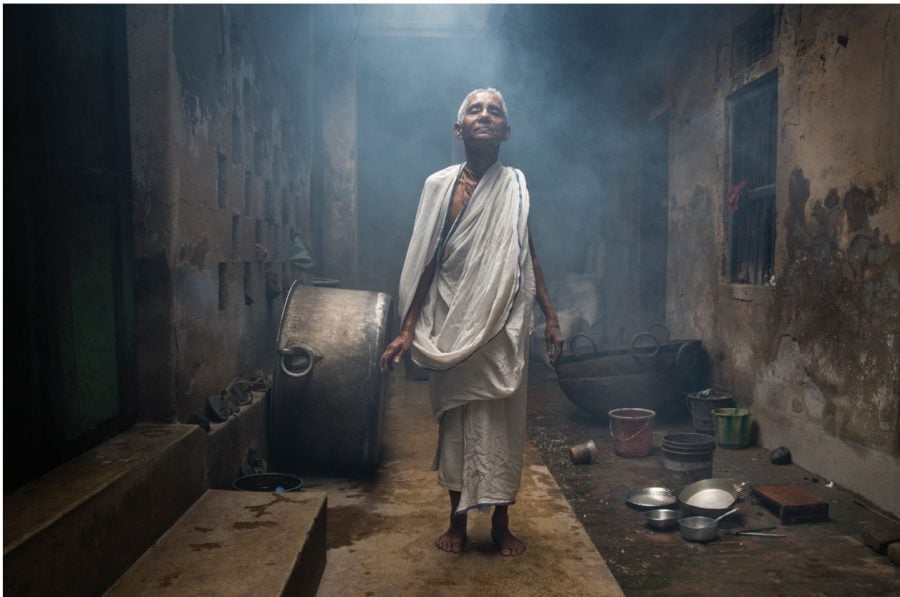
{"points": [[236, 543], [751, 293], [76, 529], [854, 466], [228, 441]]}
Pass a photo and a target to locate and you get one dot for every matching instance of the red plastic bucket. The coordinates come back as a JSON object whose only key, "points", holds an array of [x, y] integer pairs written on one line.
{"points": [[632, 431]]}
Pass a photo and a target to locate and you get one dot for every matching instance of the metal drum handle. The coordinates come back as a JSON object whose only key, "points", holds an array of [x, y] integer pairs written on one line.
{"points": [[572, 343], [641, 335], [663, 327], [688, 350], [293, 351]]}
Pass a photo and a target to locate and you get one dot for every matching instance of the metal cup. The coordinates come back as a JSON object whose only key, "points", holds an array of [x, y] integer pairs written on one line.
{"points": [[583, 453]]}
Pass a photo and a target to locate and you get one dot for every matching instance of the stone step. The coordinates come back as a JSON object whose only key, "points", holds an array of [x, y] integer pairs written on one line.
{"points": [[74, 530], [236, 543]]}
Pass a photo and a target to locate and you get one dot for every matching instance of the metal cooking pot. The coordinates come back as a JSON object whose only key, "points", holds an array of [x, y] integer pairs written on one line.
{"points": [[662, 519], [701, 528], [709, 497]]}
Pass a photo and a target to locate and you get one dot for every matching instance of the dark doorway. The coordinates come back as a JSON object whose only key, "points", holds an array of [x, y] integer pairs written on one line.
{"points": [[69, 351]]}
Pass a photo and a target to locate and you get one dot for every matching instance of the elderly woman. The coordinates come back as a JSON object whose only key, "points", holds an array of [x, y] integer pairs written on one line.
{"points": [[466, 295]]}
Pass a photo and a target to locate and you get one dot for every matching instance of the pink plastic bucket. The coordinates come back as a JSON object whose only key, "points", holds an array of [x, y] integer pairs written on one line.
{"points": [[632, 431]]}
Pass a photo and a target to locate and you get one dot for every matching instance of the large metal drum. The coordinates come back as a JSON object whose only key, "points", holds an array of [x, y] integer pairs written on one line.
{"points": [[328, 393]]}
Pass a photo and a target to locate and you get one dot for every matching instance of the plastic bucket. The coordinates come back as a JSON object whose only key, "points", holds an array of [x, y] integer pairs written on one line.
{"points": [[701, 408], [688, 457], [276, 482], [732, 427], [632, 431]]}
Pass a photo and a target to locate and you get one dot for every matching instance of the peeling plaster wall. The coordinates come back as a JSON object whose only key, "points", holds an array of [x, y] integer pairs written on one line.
{"points": [[816, 355], [221, 120]]}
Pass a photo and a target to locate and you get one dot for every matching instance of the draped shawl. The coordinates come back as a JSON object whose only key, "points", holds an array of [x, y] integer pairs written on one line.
{"points": [[479, 303]]}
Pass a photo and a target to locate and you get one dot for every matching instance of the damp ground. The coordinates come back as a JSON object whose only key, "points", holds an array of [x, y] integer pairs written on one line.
{"points": [[821, 558], [381, 530]]}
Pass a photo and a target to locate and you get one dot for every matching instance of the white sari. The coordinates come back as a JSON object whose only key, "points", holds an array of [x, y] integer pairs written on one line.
{"points": [[473, 329]]}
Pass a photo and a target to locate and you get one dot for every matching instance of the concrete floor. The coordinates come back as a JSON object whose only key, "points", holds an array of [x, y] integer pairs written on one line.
{"points": [[381, 532], [582, 538]]}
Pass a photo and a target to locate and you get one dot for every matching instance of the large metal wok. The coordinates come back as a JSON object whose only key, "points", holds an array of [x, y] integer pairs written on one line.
{"points": [[709, 497], [650, 373]]}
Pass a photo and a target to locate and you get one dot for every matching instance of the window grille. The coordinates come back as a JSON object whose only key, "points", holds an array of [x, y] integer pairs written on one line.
{"points": [[753, 38], [751, 182]]}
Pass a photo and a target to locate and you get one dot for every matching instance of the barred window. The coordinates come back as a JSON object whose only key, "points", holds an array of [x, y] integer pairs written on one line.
{"points": [[753, 38], [753, 116]]}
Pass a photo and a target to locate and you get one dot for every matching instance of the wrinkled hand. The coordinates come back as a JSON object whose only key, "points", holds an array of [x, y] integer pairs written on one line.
{"points": [[395, 350], [554, 339]]}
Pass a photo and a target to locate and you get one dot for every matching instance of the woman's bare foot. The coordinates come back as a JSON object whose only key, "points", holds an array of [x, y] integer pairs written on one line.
{"points": [[506, 542], [452, 541]]}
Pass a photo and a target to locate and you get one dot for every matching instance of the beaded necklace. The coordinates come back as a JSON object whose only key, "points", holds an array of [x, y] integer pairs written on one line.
{"points": [[469, 182]]}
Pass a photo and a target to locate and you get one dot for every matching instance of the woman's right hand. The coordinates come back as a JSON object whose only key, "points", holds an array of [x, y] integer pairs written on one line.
{"points": [[395, 350]]}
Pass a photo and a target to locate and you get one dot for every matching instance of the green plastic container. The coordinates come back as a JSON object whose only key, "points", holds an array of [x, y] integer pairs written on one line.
{"points": [[732, 427]]}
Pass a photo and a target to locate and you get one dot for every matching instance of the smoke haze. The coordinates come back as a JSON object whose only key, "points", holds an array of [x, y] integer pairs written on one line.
{"points": [[580, 83]]}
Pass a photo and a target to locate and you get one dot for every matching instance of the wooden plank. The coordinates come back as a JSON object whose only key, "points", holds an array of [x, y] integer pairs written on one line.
{"points": [[791, 503]]}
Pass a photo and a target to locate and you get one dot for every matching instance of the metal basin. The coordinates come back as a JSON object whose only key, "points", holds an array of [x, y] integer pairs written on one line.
{"points": [[709, 497], [662, 519]]}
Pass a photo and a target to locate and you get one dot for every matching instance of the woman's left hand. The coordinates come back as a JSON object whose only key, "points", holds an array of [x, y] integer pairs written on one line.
{"points": [[554, 339]]}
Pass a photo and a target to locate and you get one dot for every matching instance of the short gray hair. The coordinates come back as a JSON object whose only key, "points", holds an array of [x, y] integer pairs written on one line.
{"points": [[465, 103]]}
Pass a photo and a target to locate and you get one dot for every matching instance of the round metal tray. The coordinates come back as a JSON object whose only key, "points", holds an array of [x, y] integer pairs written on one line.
{"points": [[649, 498]]}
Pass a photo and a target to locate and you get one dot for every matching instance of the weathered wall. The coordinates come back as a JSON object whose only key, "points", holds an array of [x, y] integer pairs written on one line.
{"points": [[335, 210], [816, 354], [221, 120]]}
